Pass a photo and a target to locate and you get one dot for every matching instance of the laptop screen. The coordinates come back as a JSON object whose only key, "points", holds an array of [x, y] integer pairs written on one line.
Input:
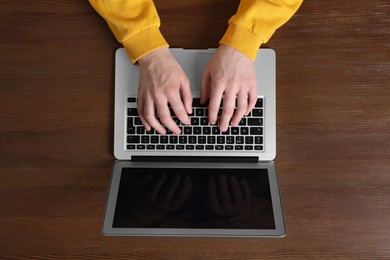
{"points": [[194, 198]]}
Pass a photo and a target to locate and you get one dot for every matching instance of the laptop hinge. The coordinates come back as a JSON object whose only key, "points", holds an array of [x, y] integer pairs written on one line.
{"points": [[193, 159]]}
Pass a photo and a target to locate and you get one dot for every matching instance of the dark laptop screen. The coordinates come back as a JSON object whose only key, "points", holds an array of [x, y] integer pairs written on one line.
{"points": [[194, 198]]}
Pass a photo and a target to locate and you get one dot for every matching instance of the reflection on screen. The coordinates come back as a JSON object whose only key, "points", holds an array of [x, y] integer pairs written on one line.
{"points": [[194, 198]]}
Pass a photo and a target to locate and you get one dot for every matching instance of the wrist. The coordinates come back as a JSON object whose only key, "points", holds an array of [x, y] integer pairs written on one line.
{"points": [[159, 53]]}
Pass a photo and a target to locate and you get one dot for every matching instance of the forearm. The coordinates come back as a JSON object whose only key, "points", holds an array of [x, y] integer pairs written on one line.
{"points": [[256, 21], [135, 24]]}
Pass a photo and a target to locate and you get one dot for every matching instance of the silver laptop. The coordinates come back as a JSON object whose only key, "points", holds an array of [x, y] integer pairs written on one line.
{"points": [[203, 182]]}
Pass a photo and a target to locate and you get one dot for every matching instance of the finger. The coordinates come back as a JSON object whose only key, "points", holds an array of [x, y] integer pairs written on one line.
{"points": [[252, 99], [179, 110], [212, 195], [247, 193], [140, 109], [168, 191], [242, 107], [166, 119], [227, 111], [236, 193], [205, 87], [215, 101], [153, 190], [186, 96], [224, 195], [183, 192], [150, 117]]}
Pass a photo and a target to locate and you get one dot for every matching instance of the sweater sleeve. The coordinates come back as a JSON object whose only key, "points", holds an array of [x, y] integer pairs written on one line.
{"points": [[256, 21], [135, 23]]}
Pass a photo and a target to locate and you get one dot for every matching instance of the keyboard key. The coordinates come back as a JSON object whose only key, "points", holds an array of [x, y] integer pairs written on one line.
{"points": [[204, 121], [130, 121], [258, 147], [229, 147], [215, 130], [211, 139], [187, 130], [235, 130], [239, 147], [132, 112], [209, 147], [160, 147], [239, 139], [130, 130], [257, 112], [259, 102], [173, 139], [242, 122], [192, 139], [249, 139], [244, 130], [256, 130], [133, 139], [194, 121], [206, 130], [140, 130], [199, 147], [248, 147], [201, 139], [170, 147], [137, 121], [183, 139], [130, 147], [154, 139], [220, 139], [219, 147], [196, 102], [230, 139], [150, 147], [190, 147], [176, 120], [145, 139], [199, 112], [255, 121], [140, 147], [131, 99], [258, 139], [163, 139], [197, 130], [179, 147]]}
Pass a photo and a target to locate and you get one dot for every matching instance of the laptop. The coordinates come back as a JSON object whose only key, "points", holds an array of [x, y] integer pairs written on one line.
{"points": [[203, 182]]}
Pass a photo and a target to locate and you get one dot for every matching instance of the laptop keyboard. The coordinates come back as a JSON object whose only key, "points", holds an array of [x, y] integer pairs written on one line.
{"points": [[199, 135]]}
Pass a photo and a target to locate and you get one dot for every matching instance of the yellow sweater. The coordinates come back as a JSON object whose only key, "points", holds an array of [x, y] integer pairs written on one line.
{"points": [[135, 23]]}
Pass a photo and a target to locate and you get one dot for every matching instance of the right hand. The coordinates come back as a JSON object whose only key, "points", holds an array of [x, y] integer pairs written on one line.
{"points": [[162, 82]]}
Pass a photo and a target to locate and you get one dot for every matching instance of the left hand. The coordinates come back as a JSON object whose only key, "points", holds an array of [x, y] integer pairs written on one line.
{"points": [[231, 74]]}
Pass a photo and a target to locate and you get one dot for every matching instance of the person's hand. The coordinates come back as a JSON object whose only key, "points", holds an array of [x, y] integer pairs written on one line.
{"points": [[231, 74], [162, 82], [229, 196]]}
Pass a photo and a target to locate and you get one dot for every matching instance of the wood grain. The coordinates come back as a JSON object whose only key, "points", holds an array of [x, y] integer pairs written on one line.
{"points": [[56, 125]]}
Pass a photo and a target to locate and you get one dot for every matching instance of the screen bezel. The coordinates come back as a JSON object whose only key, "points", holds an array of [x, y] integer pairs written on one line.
{"points": [[279, 230]]}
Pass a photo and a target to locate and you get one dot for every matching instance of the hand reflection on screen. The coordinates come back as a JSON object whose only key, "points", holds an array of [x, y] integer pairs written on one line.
{"points": [[229, 196], [165, 193], [173, 199]]}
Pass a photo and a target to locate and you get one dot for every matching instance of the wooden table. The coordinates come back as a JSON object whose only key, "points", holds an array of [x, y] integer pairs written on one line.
{"points": [[56, 131]]}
